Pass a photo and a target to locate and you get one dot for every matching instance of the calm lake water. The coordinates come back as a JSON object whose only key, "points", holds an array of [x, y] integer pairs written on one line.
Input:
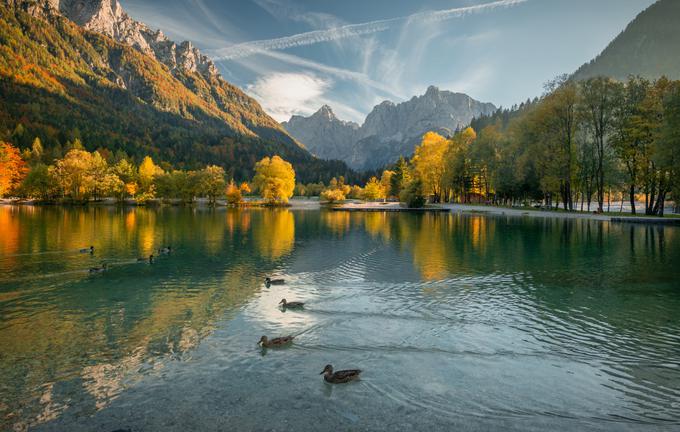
{"points": [[464, 322]]}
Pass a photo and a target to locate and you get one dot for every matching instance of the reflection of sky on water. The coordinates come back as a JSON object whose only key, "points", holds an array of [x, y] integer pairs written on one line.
{"points": [[379, 287]]}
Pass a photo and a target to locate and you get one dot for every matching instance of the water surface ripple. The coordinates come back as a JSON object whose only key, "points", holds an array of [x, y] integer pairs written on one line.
{"points": [[458, 321]]}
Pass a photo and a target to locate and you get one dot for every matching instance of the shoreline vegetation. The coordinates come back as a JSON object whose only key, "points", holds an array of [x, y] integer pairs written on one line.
{"points": [[581, 145]]}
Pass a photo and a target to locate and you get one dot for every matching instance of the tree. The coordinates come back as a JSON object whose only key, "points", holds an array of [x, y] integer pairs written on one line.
{"points": [[333, 195], [630, 138], [233, 194], [373, 190], [599, 99], [386, 182], [148, 171], [457, 166], [558, 122], [13, 169], [212, 182], [400, 178], [73, 174], [428, 163], [37, 151], [413, 194], [38, 183], [274, 179]]}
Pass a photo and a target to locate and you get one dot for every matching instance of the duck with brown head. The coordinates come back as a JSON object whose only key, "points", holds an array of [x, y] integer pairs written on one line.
{"points": [[276, 342], [341, 376]]}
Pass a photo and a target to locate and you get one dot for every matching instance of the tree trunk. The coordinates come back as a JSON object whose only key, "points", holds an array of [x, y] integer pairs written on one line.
{"points": [[632, 198]]}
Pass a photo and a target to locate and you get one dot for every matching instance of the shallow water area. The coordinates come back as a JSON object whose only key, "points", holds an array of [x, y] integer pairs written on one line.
{"points": [[475, 322]]}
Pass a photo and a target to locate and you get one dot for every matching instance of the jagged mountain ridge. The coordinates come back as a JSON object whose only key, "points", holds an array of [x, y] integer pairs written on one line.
{"points": [[118, 85], [647, 47], [389, 131], [325, 133]]}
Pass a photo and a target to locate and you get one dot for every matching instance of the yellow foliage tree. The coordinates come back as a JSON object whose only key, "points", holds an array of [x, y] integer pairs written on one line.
{"points": [[233, 193], [148, 170], [428, 162], [73, 174], [274, 179], [12, 168], [373, 190]]}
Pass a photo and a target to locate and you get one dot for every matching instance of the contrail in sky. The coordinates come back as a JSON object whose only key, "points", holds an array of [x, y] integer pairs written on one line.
{"points": [[308, 38]]}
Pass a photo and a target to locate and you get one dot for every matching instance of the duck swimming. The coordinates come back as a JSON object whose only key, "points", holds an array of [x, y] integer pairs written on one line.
{"points": [[269, 281], [276, 342], [341, 376], [165, 250], [86, 250], [291, 305], [149, 260], [101, 269]]}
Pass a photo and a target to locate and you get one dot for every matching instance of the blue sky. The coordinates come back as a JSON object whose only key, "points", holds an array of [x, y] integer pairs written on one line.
{"points": [[295, 55]]}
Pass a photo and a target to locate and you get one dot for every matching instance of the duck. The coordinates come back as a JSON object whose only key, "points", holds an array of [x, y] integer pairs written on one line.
{"points": [[276, 342], [149, 260], [165, 250], [86, 250], [101, 269], [341, 376], [269, 281], [292, 305]]}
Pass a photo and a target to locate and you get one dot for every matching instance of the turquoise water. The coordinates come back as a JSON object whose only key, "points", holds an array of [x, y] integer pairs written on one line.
{"points": [[465, 322]]}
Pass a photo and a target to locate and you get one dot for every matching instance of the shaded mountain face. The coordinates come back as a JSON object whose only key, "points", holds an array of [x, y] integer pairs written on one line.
{"points": [[390, 130], [648, 47], [85, 69], [323, 134]]}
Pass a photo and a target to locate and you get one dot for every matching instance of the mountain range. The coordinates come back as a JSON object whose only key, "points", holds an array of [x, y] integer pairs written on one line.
{"points": [[648, 46], [389, 131], [85, 69]]}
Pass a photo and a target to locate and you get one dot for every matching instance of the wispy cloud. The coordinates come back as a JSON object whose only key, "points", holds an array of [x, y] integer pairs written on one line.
{"points": [[351, 30], [285, 94]]}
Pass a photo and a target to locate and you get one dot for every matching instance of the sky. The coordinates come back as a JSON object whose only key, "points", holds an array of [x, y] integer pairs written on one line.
{"points": [[294, 56]]}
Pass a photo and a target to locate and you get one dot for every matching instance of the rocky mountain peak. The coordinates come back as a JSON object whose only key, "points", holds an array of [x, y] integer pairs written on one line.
{"points": [[326, 112], [109, 18], [390, 129]]}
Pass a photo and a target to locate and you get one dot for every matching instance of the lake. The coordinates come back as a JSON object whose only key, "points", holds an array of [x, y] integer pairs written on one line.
{"points": [[474, 322]]}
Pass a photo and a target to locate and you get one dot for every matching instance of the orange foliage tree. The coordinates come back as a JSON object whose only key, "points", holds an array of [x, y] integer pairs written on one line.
{"points": [[13, 169]]}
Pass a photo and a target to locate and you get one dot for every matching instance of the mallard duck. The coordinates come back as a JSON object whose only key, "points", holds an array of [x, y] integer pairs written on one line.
{"points": [[269, 281], [149, 260], [292, 305], [341, 376], [276, 342], [101, 269], [165, 250], [86, 250]]}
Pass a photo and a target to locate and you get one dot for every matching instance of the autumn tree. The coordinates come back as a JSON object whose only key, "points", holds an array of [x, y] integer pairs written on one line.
{"points": [[212, 183], [148, 171], [274, 179], [457, 165], [12, 168], [38, 183], [73, 174], [428, 163], [599, 99], [233, 194], [386, 183], [373, 190], [400, 178]]}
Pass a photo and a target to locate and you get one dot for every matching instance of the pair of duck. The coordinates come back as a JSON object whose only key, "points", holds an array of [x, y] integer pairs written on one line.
{"points": [[161, 251], [330, 376]]}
